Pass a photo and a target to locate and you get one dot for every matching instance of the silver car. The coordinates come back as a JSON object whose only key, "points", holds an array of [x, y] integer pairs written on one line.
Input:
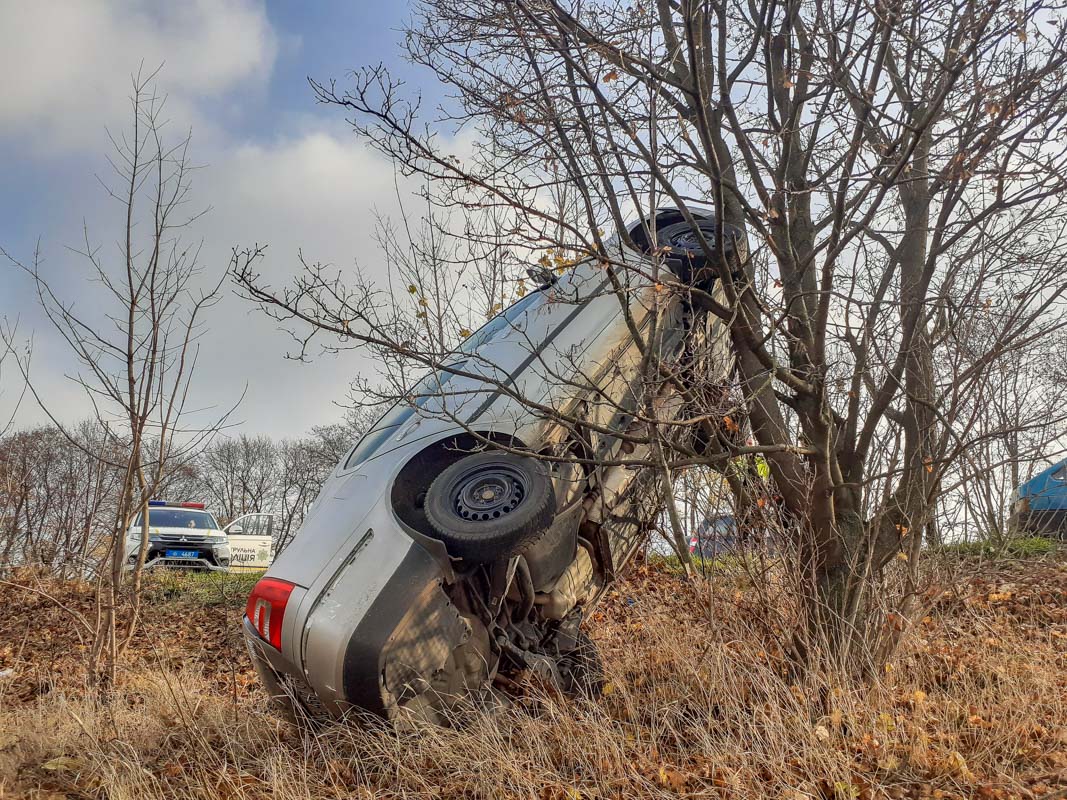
{"points": [[466, 536]]}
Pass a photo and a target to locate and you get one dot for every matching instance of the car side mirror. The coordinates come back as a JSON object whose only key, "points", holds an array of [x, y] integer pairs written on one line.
{"points": [[234, 529]]}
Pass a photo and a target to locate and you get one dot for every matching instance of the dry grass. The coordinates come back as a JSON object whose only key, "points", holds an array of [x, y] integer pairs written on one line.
{"points": [[974, 706]]}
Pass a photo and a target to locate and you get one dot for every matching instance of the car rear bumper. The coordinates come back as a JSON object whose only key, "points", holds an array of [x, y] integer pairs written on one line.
{"points": [[285, 689], [404, 639], [398, 641]]}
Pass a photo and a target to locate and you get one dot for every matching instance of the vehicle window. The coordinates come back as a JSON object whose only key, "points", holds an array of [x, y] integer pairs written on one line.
{"points": [[374, 438], [179, 518], [1061, 474], [505, 319], [434, 383], [430, 386], [724, 525]]}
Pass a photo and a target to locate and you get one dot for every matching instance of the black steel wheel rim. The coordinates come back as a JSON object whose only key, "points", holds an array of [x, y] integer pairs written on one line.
{"points": [[488, 492]]}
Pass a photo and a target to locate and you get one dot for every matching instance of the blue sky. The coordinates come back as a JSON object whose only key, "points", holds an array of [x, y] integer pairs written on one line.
{"points": [[278, 169]]}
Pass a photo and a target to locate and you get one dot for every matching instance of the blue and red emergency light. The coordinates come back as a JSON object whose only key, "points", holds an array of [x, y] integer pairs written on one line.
{"points": [[155, 503]]}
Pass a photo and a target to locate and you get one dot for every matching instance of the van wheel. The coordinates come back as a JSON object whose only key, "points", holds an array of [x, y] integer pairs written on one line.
{"points": [[490, 505]]}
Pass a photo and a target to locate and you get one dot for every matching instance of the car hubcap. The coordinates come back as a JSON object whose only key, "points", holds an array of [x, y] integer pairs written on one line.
{"points": [[488, 492]]}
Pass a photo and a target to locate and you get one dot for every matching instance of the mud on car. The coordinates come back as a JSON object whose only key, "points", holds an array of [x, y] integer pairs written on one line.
{"points": [[466, 536]]}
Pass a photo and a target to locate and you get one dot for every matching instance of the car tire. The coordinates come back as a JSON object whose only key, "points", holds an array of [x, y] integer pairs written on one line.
{"points": [[582, 669], [490, 505], [686, 251]]}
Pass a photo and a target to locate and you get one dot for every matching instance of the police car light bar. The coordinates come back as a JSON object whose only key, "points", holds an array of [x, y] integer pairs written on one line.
{"points": [[155, 503]]}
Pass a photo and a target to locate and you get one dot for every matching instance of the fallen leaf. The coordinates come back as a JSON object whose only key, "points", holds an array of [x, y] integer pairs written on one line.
{"points": [[958, 764], [64, 764], [672, 779]]}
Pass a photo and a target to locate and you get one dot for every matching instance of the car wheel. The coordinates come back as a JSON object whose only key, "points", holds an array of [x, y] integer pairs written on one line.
{"points": [[685, 247], [582, 670], [489, 505]]}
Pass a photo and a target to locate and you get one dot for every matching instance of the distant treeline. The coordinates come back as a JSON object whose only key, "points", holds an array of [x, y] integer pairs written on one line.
{"points": [[58, 488]]}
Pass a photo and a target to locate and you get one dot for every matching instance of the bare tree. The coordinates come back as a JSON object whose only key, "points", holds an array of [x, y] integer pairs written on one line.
{"points": [[138, 354], [238, 476], [898, 168], [1019, 420], [55, 496], [8, 351]]}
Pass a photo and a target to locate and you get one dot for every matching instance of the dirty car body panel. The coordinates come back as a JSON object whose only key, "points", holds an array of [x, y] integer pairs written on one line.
{"points": [[1040, 504]]}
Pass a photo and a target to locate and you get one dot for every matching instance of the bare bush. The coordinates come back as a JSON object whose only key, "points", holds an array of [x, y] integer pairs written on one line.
{"points": [[137, 348]]}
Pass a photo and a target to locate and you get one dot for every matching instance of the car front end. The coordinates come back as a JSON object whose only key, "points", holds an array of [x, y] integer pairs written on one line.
{"points": [[180, 535]]}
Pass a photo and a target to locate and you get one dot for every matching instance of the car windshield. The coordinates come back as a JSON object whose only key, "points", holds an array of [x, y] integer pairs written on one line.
{"points": [[164, 517]]}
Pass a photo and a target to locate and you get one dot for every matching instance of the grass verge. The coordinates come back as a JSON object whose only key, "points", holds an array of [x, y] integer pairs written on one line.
{"points": [[975, 705]]}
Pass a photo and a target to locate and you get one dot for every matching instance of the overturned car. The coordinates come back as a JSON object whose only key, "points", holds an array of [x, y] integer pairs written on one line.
{"points": [[466, 536]]}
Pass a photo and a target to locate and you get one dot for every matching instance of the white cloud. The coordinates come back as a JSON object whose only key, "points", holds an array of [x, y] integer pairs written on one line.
{"points": [[314, 192], [67, 65], [314, 189]]}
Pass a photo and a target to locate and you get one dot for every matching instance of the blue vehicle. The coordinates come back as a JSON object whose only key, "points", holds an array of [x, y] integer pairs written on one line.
{"points": [[715, 536], [1040, 504]]}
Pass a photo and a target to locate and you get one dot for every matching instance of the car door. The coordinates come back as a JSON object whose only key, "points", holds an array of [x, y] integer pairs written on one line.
{"points": [[251, 542]]}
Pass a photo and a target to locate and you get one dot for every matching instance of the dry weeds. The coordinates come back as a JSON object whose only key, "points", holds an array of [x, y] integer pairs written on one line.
{"points": [[975, 705]]}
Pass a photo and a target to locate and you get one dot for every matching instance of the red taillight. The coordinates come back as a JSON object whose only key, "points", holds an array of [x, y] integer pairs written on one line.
{"points": [[193, 505], [266, 609], [693, 544]]}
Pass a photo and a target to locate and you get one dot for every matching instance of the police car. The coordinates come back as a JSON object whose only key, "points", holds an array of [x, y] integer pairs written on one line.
{"points": [[186, 535]]}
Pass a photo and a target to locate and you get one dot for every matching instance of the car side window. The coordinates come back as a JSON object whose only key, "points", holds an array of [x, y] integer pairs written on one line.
{"points": [[1060, 474], [374, 438], [433, 384]]}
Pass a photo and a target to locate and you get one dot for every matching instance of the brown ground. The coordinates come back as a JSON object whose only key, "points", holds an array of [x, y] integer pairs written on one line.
{"points": [[975, 705]]}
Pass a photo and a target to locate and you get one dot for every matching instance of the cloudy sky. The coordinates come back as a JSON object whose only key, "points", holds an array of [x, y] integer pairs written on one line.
{"points": [[278, 170]]}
